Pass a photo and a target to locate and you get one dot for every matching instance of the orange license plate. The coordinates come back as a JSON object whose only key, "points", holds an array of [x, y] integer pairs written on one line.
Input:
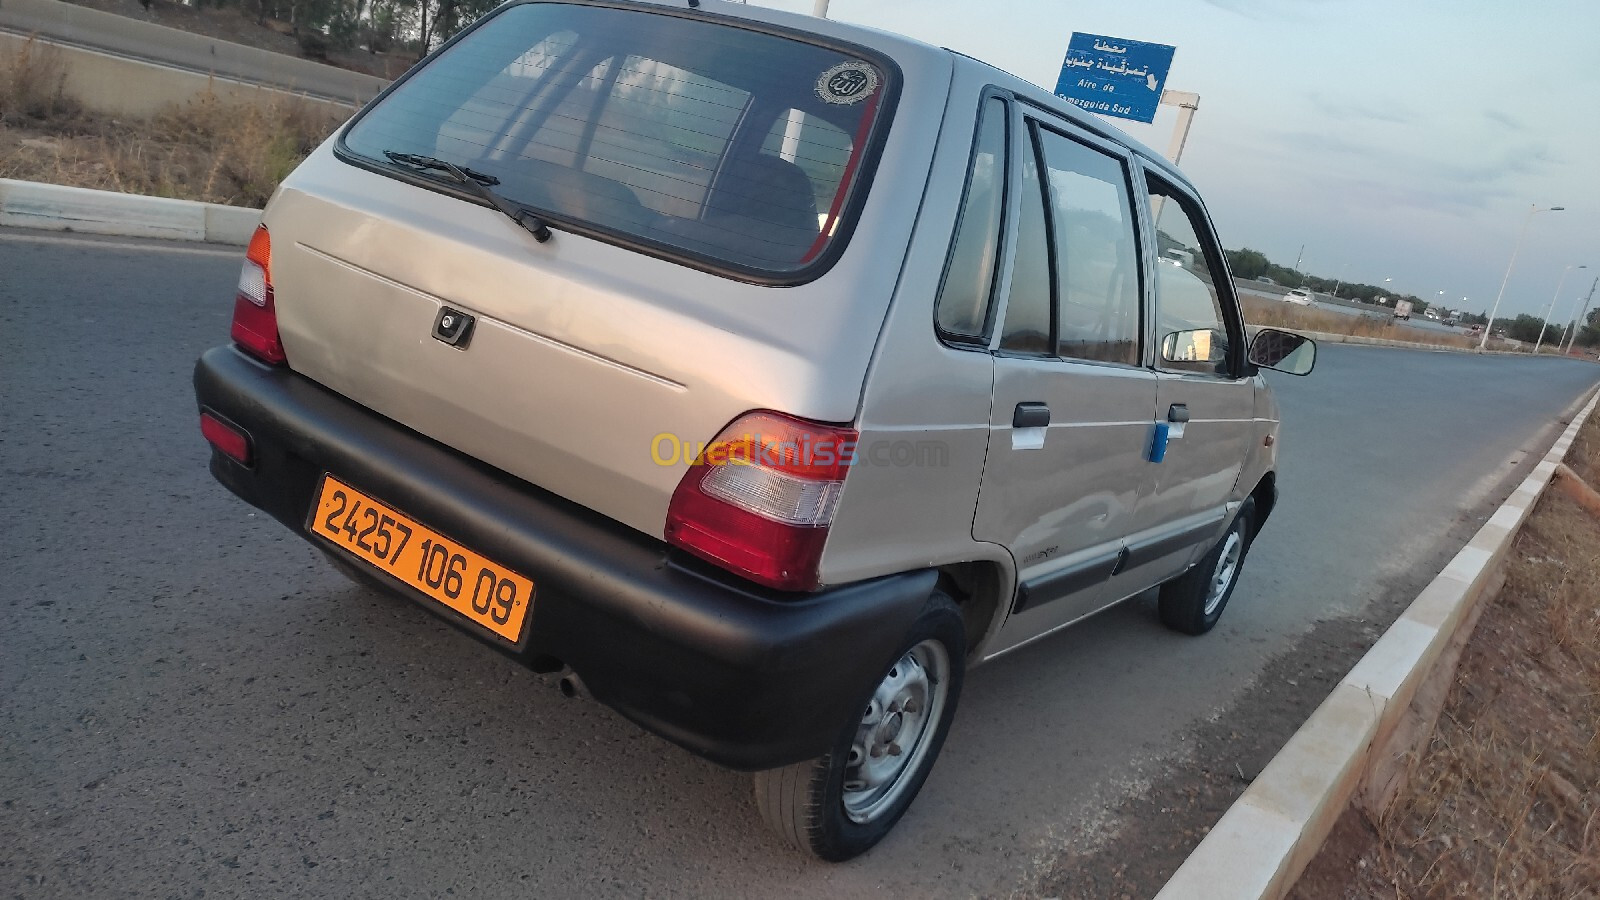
{"points": [[484, 591]]}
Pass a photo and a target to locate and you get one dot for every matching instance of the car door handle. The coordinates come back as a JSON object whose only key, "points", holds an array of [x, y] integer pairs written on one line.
{"points": [[1178, 413], [1030, 415]]}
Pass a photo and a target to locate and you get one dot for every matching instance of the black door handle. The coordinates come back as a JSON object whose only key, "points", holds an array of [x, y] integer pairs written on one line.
{"points": [[1178, 413], [1030, 415]]}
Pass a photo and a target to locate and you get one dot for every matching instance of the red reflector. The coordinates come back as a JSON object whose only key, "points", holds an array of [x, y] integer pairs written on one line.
{"points": [[230, 440]]}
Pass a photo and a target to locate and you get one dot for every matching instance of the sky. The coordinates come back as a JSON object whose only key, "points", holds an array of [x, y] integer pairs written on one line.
{"points": [[1404, 139]]}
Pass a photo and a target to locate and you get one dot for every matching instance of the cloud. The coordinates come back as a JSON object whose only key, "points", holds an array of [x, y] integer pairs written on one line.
{"points": [[1261, 10], [1504, 120], [1383, 175], [1345, 110]]}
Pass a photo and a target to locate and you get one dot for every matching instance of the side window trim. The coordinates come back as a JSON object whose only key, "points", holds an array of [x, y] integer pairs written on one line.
{"points": [[1011, 216], [1025, 121], [1133, 174], [999, 279], [1227, 295]]}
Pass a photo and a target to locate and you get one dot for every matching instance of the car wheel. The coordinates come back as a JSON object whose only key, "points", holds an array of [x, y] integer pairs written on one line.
{"points": [[1193, 602], [839, 805]]}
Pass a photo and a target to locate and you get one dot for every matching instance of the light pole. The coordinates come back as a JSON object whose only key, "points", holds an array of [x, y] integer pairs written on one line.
{"points": [[1489, 328], [1576, 324], [1544, 325]]}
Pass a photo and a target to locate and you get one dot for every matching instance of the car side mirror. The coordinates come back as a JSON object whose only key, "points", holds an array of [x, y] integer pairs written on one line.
{"points": [[1283, 351], [1200, 345]]}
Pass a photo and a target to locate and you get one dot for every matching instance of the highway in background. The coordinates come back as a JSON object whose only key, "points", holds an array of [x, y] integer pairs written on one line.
{"points": [[194, 701], [82, 26]]}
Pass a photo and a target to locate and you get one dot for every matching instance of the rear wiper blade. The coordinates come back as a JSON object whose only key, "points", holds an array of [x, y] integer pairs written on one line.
{"points": [[429, 162], [477, 182]]}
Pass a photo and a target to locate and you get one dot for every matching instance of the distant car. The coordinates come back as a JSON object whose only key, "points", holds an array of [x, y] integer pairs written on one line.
{"points": [[1265, 280], [1178, 257], [1298, 296]]}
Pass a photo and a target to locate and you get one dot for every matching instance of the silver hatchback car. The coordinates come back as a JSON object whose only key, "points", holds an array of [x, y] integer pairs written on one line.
{"points": [[759, 373]]}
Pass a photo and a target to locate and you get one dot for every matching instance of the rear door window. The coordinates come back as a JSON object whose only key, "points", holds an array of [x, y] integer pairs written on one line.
{"points": [[1097, 253], [722, 145]]}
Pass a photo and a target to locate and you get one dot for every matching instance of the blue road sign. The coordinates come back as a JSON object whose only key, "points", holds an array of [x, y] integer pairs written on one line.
{"points": [[1114, 77]]}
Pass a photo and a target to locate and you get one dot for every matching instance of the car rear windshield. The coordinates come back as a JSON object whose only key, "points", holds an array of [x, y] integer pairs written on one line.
{"points": [[713, 143]]}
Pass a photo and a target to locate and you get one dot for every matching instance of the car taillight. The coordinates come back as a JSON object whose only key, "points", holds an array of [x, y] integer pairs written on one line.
{"points": [[760, 498], [225, 437], [255, 320]]}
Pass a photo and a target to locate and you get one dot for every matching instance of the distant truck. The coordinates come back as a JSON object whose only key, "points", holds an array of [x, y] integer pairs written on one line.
{"points": [[1402, 309]]}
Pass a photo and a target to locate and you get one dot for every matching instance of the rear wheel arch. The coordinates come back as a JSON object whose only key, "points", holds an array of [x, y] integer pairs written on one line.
{"points": [[1265, 496], [977, 587]]}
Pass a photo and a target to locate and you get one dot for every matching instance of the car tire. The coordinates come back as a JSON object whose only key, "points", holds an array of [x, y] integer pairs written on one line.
{"points": [[1193, 602], [839, 805]]}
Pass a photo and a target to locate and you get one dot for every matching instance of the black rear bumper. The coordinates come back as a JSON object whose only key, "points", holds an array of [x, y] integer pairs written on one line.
{"points": [[742, 675]]}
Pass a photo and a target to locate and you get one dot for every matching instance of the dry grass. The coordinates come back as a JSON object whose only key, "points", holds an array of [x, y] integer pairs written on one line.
{"points": [[1505, 801], [205, 149], [33, 85], [1277, 314]]}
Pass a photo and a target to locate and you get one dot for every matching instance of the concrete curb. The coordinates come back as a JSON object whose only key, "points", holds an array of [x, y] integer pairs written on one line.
{"points": [[55, 207], [1266, 839]]}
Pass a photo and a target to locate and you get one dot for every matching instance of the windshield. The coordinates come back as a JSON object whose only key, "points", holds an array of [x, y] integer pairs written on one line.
{"points": [[718, 143]]}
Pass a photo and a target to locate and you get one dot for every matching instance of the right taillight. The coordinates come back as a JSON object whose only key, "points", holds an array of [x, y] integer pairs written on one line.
{"points": [[759, 500], [255, 319]]}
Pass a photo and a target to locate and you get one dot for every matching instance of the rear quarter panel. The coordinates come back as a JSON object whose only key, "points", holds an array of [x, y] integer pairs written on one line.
{"points": [[924, 419]]}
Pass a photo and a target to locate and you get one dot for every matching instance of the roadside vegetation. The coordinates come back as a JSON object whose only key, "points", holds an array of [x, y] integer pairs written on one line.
{"points": [[1504, 801], [205, 149], [1277, 314], [1251, 265]]}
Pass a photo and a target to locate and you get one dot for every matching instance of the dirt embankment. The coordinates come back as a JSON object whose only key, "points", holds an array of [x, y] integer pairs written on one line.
{"points": [[1504, 801], [206, 149]]}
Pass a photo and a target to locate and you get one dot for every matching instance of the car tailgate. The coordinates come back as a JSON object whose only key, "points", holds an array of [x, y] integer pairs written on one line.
{"points": [[593, 371]]}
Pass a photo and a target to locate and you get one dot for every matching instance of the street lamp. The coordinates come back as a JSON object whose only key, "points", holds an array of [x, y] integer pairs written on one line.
{"points": [[1573, 324], [1489, 328], [1552, 310]]}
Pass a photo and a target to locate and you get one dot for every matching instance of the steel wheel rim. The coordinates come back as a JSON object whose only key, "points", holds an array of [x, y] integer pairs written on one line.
{"points": [[896, 730], [1227, 570]]}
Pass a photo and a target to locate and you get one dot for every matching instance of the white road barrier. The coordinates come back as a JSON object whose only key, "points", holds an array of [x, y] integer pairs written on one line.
{"points": [[1357, 740]]}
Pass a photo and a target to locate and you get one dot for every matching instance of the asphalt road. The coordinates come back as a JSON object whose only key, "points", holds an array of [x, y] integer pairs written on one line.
{"points": [[192, 701]]}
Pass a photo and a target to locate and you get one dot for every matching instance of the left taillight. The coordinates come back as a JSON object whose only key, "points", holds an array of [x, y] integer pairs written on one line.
{"points": [[225, 436], [760, 499], [255, 318]]}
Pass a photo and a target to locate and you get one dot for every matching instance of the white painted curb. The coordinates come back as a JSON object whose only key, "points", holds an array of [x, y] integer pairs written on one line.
{"points": [[1266, 839], [55, 207]]}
